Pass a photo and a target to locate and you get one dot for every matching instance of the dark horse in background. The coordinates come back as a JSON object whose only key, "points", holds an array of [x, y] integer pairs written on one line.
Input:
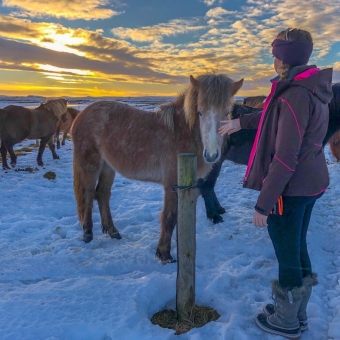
{"points": [[18, 123], [237, 147]]}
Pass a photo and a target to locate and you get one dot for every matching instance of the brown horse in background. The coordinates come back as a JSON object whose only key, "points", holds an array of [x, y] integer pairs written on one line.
{"points": [[66, 126], [18, 123], [334, 145], [112, 137], [255, 101]]}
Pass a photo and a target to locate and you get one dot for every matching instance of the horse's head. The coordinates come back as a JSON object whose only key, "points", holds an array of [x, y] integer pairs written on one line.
{"points": [[58, 107], [210, 98]]}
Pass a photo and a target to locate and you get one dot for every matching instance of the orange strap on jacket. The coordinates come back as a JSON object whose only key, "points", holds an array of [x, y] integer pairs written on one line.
{"points": [[279, 206]]}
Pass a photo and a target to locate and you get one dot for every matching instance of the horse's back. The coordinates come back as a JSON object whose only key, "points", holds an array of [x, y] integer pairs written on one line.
{"points": [[133, 142], [16, 122]]}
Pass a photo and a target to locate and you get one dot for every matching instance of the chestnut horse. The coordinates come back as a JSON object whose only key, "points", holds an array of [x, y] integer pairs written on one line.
{"points": [[112, 137], [18, 123], [254, 101], [66, 126], [238, 145], [334, 145]]}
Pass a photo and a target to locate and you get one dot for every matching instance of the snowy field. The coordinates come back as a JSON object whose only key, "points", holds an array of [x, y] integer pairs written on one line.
{"points": [[54, 286]]}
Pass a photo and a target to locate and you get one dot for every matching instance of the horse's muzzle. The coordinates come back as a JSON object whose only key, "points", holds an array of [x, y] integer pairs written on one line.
{"points": [[211, 158]]}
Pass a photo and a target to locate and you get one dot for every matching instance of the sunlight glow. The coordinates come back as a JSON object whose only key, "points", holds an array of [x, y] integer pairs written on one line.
{"points": [[58, 69]]}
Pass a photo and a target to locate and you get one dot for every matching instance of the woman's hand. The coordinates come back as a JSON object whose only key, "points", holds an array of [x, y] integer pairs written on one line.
{"points": [[260, 220], [229, 127]]}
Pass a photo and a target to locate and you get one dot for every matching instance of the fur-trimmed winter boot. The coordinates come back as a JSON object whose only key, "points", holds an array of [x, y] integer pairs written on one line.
{"points": [[309, 281], [284, 321]]}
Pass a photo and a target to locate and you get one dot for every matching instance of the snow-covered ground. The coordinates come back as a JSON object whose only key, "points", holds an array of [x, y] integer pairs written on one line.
{"points": [[54, 286]]}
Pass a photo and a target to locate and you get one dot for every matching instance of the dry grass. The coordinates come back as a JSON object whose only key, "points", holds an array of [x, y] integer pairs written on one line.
{"points": [[198, 317], [19, 152]]}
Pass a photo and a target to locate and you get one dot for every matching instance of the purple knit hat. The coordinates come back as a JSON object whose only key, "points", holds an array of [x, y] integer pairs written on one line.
{"points": [[293, 53]]}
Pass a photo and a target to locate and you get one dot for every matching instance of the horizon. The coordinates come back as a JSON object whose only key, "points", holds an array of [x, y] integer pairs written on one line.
{"points": [[114, 48]]}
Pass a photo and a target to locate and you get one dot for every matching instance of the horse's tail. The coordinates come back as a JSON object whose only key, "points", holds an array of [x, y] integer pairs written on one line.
{"points": [[79, 188]]}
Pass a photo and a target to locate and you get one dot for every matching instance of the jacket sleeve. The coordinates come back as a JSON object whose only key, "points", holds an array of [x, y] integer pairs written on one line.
{"points": [[251, 120], [294, 115]]}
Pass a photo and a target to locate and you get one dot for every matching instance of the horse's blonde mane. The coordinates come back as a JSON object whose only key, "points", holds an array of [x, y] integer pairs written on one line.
{"points": [[168, 110], [211, 90], [57, 106]]}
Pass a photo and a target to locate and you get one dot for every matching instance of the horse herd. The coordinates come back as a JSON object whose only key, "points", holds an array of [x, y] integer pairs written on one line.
{"points": [[111, 137]]}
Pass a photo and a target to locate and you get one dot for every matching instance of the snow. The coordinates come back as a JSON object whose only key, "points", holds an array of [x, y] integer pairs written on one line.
{"points": [[54, 286]]}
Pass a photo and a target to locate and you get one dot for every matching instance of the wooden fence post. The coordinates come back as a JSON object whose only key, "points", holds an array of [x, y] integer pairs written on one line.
{"points": [[186, 234]]}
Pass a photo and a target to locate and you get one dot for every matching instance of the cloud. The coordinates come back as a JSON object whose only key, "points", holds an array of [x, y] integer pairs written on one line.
{"points": [[218, 12], [23, 56], [69, 9], [212, 2], [318, 17], [157, 32], [239, 48]]}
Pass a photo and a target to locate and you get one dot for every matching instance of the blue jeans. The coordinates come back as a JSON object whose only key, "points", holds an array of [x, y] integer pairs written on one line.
{"points": [[288, 234]]}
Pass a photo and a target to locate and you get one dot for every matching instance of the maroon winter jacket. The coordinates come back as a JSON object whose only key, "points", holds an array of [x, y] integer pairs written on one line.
{"points": [[287, 156]]}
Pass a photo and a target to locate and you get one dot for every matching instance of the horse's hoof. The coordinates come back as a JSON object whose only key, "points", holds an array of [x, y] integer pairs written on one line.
{"points": [[115, 235], [13, 165], [87, 238], [40, 163], [6, 167], [221, 210], [165, 258], [56, 157], [217, 219]]}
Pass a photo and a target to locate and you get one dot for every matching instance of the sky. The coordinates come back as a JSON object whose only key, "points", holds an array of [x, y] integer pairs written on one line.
{"points": [[150, 48]]}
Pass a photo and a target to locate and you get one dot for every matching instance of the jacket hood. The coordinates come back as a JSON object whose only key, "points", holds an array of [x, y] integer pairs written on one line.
{"points": [[317, 81]]}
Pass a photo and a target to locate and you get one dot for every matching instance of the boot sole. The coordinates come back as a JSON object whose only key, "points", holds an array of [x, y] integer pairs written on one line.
{"points": [[277, 330]]}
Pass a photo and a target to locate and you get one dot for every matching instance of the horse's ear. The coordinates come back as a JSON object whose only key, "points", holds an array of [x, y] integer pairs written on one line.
{"points": [[193, 81], [236, 86]]}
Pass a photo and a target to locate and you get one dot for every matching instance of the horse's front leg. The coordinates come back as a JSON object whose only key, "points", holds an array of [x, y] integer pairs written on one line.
{"points": [[4, 156], [9, 146], [52, 148], [65, 132], [206, 187], [168, 221], [42, 147], [57, 138]]}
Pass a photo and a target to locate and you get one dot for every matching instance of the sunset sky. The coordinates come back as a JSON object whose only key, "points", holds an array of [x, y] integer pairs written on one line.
{"points": [[151, 47]]}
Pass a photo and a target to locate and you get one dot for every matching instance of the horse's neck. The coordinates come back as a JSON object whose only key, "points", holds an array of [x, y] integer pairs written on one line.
{"points": [[42, 113]]}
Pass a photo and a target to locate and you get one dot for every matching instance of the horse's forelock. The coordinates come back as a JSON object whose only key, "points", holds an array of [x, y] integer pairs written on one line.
{"points": [[212, 91], [57, 106]]}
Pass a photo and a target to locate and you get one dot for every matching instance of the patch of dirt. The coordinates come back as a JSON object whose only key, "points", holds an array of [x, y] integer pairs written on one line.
{"points": [[50, 175], [198, 317]]}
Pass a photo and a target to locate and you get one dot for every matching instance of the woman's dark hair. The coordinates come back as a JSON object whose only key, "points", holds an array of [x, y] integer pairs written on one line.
{"points": [[292, 34]]}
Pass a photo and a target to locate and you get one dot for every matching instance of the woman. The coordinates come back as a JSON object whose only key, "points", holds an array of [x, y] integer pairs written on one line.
{"points": [[287, 165]]}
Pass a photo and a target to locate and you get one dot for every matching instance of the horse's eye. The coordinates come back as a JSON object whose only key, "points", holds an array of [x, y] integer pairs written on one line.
{"points": [[199, 113]]}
